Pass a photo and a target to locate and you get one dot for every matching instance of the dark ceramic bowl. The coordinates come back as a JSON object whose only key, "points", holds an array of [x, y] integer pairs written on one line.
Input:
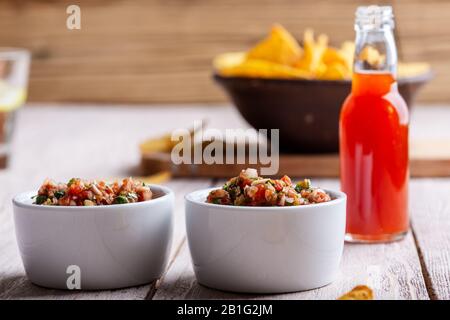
{"points": [[305, 111]]}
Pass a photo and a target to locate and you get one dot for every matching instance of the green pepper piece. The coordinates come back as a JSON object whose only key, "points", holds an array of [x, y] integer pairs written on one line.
{"points": [[71, 181], [59, 194], [41, 199], [303, 185], [120, 200]]}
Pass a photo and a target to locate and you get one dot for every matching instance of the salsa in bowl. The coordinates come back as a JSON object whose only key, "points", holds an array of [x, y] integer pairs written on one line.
{"points": [[79, 192], [265, 249], [114, 246], [249, 189]]}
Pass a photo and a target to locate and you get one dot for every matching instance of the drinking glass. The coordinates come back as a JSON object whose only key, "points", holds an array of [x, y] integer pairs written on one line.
{"points": [[14, 69]]}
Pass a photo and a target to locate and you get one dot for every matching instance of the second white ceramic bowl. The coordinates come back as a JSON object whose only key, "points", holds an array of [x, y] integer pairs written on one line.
{"points": [[109, 247], [265, 249]]}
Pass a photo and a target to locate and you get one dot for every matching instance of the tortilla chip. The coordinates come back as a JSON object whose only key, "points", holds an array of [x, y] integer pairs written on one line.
{"points": [[372, 56], [280, 56], [255, 68], [347, 50], [335, 71], [333, 55], [278, 47], [311, 60], [229, 59], [358, 293]]}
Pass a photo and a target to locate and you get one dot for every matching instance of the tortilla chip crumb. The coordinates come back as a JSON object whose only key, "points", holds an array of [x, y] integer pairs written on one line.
{"points": [[358, 293]]}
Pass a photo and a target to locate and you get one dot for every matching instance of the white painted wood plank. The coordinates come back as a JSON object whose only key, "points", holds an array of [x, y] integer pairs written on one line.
{"points": [[388, 269], [392, 270], [430, 204], [181, 187]]}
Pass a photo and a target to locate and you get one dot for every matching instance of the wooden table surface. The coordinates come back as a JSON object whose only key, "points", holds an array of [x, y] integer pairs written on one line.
{"points": [[94, 142]]}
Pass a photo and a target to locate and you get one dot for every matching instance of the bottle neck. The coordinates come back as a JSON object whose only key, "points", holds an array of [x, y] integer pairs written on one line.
{"points": [[375, 58], [375, 51]]}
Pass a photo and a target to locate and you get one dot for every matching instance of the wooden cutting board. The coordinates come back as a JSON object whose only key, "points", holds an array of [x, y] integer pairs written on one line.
{"points": [[427, 159]]}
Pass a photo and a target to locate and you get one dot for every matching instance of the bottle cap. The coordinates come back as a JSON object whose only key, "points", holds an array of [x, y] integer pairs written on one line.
{"points": [[374, 17]]}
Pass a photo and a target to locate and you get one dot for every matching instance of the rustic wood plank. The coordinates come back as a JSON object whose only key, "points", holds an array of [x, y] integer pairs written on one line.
{"points": [[392, 270], [397, 277], [429, 158], [160, 51], [181, 187], [420, 39], [431, 222]]}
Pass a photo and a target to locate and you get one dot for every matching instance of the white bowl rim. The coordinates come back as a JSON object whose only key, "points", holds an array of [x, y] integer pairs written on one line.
{"points": [[340, 197], [17, 201]]}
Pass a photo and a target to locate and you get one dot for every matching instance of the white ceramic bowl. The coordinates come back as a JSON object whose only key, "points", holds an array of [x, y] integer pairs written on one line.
{"points": [[265, 249], [114, 246]]}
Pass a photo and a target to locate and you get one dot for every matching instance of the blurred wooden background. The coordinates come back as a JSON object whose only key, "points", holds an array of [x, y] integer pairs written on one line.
{"points": [[160, 51]]}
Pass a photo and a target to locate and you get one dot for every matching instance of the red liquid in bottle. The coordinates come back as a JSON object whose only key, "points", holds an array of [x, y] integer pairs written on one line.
{"points": [[374, 158]]}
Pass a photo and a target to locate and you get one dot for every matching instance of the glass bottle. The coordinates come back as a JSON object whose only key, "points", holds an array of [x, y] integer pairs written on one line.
{"points": [[374, 135]]}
